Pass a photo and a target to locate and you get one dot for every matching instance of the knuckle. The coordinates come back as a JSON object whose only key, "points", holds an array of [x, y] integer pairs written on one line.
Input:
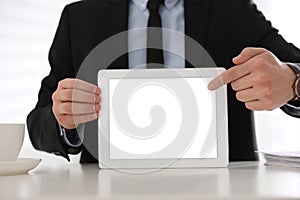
{"points": [[54, 109], [54, 96], [267, 93], [260, 62], [63, 82], [268, 53], [262, 49], [67, 80], [60, 84], [246, 50], [262, 77]]}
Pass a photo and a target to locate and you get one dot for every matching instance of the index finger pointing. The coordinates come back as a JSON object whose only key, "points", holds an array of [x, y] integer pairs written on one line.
{"points": [[228, 76], [216, 83], [70, 83]]}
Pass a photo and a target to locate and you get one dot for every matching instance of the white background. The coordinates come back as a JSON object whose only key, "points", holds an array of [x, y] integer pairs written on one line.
{"points": [[27, 28]]}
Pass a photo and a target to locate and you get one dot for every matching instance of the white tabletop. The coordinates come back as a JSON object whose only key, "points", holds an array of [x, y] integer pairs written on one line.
{"points": [[243, 180]]}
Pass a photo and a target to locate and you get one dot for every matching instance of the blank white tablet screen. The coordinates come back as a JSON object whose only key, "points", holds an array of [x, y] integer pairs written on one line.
{"points": [[152, 92]]}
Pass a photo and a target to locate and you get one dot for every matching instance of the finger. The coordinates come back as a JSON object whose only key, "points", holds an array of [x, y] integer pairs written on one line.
{"points": [[79, 96], [243, 83], [79, 84], [79, 119], [247, 54], [247, 95], [72, 121], [228, 76], [69, 108], [255, 105]]}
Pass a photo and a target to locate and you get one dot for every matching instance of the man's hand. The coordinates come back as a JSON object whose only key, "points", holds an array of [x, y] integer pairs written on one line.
{"points": [[75, 101], [260, 80]]}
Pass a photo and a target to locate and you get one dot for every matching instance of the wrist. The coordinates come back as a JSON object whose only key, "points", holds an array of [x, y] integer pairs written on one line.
{"points": [[296, 84], [296, 88]]}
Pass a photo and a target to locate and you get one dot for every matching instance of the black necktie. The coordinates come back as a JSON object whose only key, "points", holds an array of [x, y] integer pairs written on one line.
{"points": [[154, 37]]}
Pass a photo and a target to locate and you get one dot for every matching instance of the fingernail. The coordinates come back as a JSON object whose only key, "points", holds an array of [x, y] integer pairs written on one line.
{"points": [[211, 86]]}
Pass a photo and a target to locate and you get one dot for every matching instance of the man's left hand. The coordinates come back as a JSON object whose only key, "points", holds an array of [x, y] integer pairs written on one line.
{"points": [[259, 78]]}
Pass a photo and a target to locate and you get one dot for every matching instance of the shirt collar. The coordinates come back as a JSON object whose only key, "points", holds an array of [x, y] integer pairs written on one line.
{"points": [[142, 4]]}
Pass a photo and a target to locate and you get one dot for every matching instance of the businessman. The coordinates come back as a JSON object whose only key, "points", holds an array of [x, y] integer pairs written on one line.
{"points": [[262, 66]]}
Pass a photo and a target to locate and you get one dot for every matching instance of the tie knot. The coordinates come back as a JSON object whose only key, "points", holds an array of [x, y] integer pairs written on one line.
{"points": [[153, 5]]}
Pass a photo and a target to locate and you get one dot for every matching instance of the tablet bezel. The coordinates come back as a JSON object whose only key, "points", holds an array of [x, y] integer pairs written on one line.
{"points": [[221, 120]]}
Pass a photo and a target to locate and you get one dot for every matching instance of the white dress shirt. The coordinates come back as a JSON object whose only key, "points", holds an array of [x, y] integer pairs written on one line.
{"points": [[172, 16]]}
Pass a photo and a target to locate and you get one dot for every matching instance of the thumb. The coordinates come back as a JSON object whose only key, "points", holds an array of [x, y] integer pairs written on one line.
{"points": [[247, 54]]}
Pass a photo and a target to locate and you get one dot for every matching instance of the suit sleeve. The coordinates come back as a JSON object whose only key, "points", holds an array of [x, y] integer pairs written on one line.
{"points": [[42, 125], [264, 35]]}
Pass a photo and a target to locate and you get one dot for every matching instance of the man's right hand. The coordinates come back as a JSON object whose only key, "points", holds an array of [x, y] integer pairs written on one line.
{"points": [[75, 102]]}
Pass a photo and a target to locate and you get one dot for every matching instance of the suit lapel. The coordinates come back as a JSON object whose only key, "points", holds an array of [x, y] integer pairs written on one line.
{"points": [[119, 23], [196, 20]]}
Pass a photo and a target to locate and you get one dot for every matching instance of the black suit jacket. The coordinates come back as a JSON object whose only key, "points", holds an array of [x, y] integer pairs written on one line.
{"points": [[222, 27]]}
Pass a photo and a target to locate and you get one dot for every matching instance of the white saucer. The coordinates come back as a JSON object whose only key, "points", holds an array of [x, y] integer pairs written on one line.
{"points": [[20, 166]]}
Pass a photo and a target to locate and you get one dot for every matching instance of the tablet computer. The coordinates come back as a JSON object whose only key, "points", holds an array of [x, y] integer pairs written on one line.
{"points": [[162, 118]]}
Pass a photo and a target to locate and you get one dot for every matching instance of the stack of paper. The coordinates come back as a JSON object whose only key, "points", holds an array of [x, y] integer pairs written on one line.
{"points": [[286, 159]]}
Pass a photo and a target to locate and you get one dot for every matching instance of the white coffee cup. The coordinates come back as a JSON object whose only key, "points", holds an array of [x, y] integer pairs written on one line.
{"points": [[11, 140]]}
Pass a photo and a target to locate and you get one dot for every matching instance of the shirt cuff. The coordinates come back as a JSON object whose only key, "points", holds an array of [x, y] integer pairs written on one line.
{"points": [[73, 138]]}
